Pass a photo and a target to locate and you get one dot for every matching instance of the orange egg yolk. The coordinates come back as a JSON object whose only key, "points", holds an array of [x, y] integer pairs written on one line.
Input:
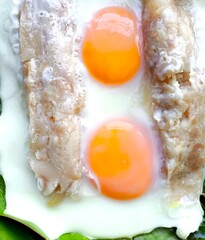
{"points": [[110, 49], [120, 156]]}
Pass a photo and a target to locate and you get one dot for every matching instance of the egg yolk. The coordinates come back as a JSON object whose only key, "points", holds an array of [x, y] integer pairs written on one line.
{"points": [[110, 49], [120, 156]]}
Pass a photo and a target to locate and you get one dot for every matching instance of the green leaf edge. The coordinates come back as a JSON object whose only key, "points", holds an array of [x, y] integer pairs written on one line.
{"points": [[157, 234], [2, 195], [12, 230], [28, 224]]}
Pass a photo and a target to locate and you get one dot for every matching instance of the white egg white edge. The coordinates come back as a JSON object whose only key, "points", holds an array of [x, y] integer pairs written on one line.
{"points": [[94, 217]]}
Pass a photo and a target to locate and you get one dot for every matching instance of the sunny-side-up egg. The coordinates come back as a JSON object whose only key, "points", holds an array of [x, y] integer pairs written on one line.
{"points": [[124, 192], [118, 143]]}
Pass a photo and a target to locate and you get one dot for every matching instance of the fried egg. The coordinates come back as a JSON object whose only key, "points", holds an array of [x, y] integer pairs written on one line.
{"points": [[115, 109], [121, 197]]}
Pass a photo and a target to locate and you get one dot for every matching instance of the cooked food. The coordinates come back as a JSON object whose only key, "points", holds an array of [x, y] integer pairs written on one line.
{"points": [[178, 85], [54, 94], [93, 112]]}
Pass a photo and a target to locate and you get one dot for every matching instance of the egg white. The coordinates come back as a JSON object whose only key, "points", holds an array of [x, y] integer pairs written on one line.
{"points": [[93, 216]]}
